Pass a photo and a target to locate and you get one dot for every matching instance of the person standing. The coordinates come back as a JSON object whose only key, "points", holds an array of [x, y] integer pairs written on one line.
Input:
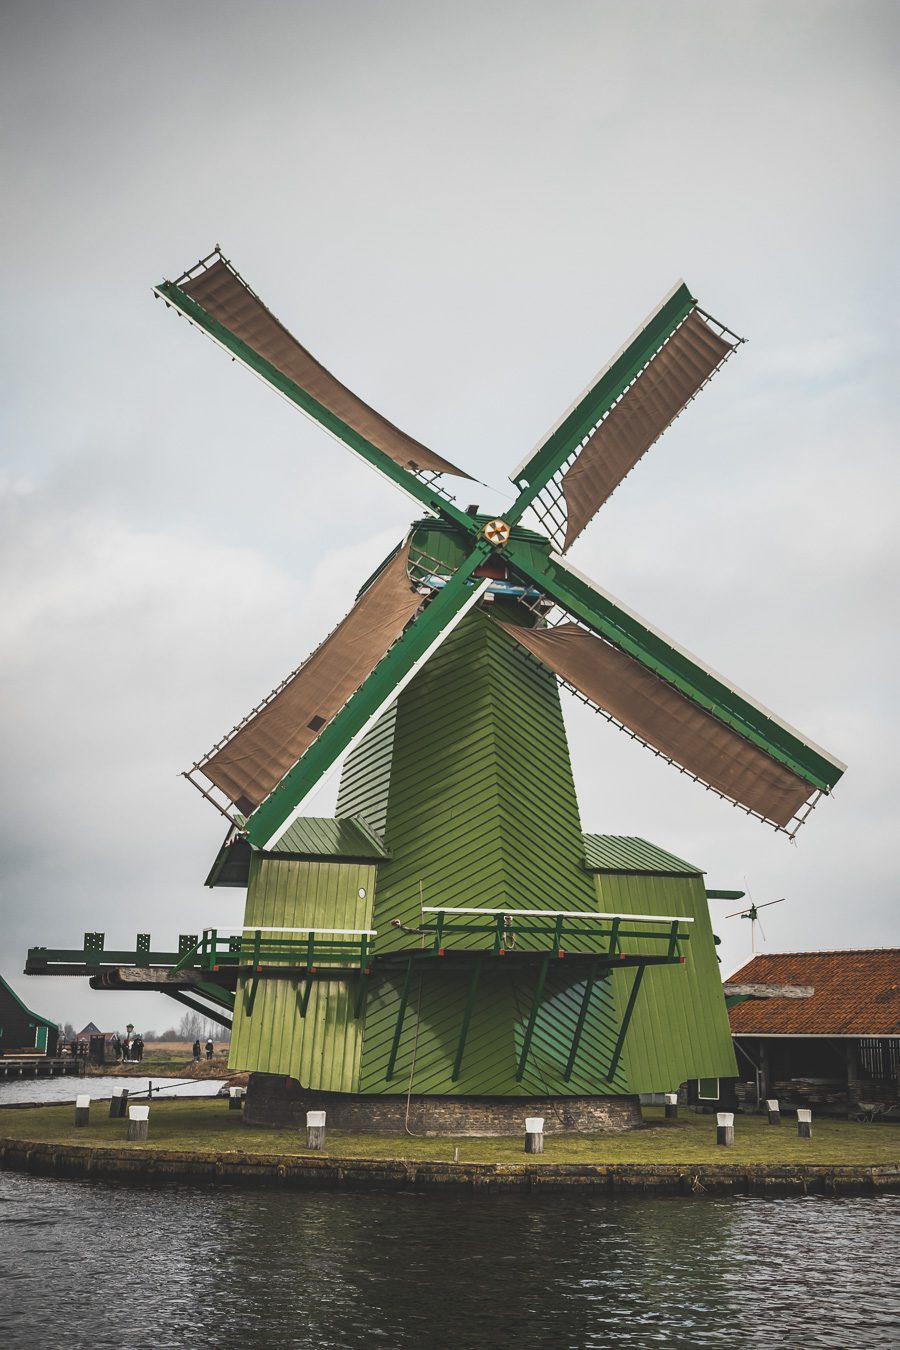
{"points": [[209, 1049], [197, 1052]]}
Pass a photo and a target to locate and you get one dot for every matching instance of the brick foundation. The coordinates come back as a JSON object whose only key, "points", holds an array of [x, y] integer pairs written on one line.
{"points": [[278, 1102]]}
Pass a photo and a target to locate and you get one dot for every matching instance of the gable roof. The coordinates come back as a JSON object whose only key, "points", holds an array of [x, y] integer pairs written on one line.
{"points": [[44, 1021], [856, 993], [630, 853]]}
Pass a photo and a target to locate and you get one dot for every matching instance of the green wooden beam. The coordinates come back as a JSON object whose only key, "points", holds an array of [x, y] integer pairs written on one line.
{"points": [[532, 1018], [623, 1030], [602, 616], [467, 1018], [582, 1018], [401, 1013]]}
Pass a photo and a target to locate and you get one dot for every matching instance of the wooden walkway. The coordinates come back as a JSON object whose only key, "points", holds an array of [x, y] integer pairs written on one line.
{"points": [[39, 1066]]}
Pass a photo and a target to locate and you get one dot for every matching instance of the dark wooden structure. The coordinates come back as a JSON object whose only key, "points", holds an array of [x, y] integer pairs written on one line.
{"points": [[23, 1032]]}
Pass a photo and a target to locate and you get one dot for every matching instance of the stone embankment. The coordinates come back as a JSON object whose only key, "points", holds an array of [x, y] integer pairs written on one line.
{"points": [[292, 1170]]}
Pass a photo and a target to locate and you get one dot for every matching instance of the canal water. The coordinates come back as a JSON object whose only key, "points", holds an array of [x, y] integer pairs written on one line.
{"points": [[96, 1264], [46, 1091]]}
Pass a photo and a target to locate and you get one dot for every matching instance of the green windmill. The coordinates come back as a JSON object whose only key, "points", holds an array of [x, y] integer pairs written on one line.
{"points": [[450, 942]]}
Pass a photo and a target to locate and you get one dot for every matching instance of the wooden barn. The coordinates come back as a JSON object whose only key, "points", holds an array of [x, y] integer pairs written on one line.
{"points": [[23, 1032], [836, 1049]]}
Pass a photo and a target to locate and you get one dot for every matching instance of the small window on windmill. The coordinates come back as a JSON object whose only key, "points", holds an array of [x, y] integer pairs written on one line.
{"points": [[707, 1089], [316, 723]]}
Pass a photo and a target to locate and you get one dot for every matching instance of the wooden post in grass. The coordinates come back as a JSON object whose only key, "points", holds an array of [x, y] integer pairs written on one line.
{"points": [[671, 1106], [534, 1134], [83, 1109], [235, 1099], [138, 1123], [117, 1103], [804, 1124], [315, 1129], [774, 1111], [725, 1128]]}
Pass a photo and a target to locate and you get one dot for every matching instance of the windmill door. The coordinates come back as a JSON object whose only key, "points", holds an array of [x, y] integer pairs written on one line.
{"points": [[40, 1039]]}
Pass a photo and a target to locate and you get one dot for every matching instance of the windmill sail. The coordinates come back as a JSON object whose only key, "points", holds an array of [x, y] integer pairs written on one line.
{"points": [[668, 721], [663, 388], [229, 301], [253, 760], [629, 405]]}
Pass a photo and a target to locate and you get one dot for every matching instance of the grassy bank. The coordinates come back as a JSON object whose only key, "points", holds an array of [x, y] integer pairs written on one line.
{"points": [[210, 1127]]}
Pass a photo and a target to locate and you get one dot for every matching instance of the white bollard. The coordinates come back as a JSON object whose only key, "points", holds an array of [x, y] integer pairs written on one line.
{"points": [[725, 1128], [671, 1106], [138, 1123], [315, 1129], [774, 1111], [804, 1124], [117, 1103], [83, 1109], [534, 1134], [235, 1099]]}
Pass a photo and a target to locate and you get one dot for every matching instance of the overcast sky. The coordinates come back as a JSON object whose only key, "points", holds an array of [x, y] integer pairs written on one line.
{"points": [[463, 209]]}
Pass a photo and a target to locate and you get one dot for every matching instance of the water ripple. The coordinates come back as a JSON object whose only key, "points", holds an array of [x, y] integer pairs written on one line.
{"points": [[190, 1267]]}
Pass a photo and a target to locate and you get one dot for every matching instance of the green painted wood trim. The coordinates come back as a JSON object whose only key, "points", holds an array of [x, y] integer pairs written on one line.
{"points": [[626, 1020], [536, 474], [414, 487], [605, 618], [270, 816]]}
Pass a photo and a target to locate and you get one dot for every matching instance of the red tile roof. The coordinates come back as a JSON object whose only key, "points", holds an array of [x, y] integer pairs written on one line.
{"points": [[857, 993]]}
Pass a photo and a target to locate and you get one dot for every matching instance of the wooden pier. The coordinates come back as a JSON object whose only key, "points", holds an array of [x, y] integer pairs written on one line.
{"points": [[39, 1066]]}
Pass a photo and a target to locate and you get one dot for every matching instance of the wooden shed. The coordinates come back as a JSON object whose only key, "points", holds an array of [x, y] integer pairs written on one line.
{"points": [[838, 1049], [23, 1032]]}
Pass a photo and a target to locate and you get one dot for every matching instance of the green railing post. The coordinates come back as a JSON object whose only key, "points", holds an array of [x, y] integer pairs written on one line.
{"points": [[613, 938], [438, 931]]}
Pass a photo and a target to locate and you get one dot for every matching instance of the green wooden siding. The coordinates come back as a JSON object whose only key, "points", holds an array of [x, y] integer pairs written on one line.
{"points": [[481, 804], [679, 1029], [322, 1049], [479, 809]]}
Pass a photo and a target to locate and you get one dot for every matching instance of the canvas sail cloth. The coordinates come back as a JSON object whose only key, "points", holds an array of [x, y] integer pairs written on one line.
{"points": [[256, 758], [657, 396], [228, 300], [668, 721]]}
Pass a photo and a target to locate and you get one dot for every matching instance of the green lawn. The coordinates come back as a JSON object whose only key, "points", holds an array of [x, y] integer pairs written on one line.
{"points": [[210, 1126]]}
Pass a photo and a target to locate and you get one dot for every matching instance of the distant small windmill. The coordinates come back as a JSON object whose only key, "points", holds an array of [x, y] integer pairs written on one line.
{"points": [[753, 915]]}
